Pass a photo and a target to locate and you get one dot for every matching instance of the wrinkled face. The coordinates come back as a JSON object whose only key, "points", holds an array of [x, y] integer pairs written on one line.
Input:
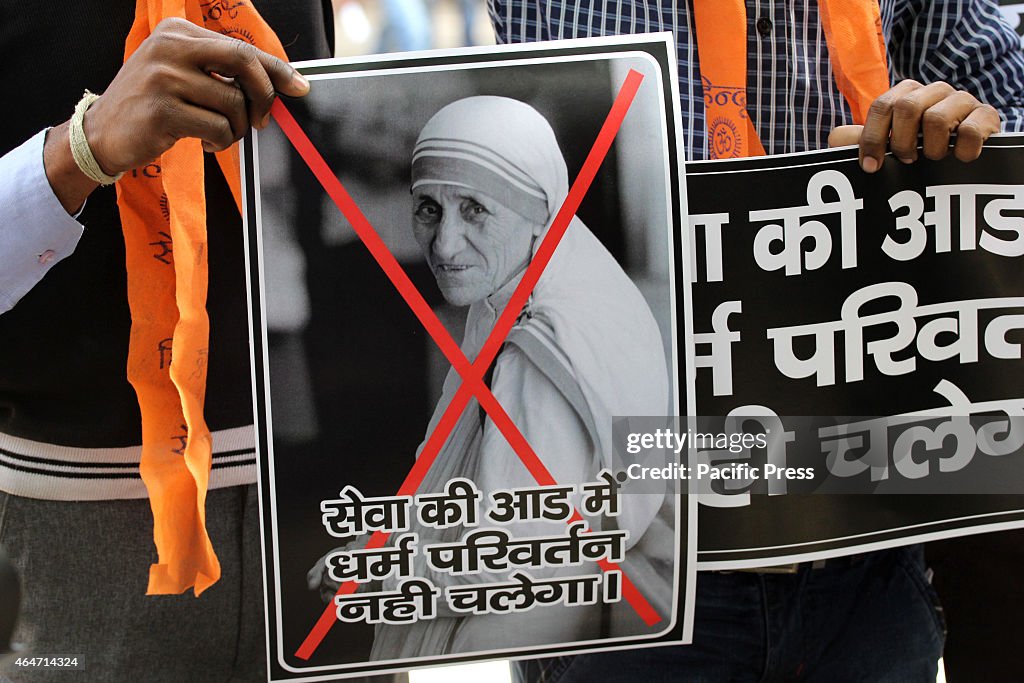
{"points": [[473, 243]]}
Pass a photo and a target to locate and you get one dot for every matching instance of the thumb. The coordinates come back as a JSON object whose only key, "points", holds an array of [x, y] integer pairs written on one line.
{"points": [[844, 135], [286, 79]]}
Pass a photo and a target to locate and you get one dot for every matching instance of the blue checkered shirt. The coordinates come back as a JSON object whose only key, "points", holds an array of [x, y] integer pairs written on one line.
{"points": [[792, 96]]}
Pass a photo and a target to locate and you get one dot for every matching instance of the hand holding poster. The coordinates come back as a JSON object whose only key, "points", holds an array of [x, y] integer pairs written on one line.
{"points": [[455, 497]]}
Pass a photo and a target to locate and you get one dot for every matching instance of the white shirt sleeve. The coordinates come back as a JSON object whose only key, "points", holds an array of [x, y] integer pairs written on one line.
{"points": [[35, 230]]}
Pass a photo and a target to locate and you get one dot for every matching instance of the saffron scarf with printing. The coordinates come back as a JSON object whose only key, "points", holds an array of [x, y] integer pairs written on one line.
{"points": [[856, 49], [163, 215]]}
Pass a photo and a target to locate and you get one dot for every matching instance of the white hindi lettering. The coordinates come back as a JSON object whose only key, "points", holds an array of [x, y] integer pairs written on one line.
{"points": [[352, 514], [373, 564], [727, 492], [883, 349], [957, 318], [712, 232], [857, 447], [778, 246], [415, 600], [495, 550], [1001, 234], [524, 593], [719, 361], [552, 503], [456, 506], [602, 498]]}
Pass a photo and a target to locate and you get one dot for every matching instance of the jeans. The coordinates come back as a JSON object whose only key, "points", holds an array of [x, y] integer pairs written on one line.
{"points": [[871, 617]]}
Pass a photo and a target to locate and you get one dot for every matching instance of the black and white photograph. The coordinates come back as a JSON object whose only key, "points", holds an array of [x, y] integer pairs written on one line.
{"points": [[462, 267]]}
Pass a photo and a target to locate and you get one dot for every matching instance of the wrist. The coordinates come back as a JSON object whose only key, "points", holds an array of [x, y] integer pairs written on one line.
{"points": [[94, 134], [82, 148], [69, 184]]}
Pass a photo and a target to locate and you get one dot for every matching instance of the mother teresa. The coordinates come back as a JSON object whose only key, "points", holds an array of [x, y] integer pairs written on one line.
{"points": [[487, 180]]}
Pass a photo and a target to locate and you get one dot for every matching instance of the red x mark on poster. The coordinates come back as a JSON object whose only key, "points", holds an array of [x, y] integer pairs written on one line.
{"points": [[471, 373]]}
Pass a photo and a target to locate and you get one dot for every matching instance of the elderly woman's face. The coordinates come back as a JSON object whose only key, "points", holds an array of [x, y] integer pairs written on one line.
{"points": [[473, 243]]}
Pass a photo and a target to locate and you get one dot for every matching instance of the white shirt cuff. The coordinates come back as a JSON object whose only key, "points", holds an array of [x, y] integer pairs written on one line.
{"points": [[35, 230]]}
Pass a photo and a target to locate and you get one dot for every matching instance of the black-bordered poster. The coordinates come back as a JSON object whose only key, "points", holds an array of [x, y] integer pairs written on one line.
{"points": [[871, 327], [462, 266]]}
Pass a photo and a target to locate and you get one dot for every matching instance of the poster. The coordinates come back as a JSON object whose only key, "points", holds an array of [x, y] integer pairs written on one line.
{"points": [[462, 266], [868, 329]]}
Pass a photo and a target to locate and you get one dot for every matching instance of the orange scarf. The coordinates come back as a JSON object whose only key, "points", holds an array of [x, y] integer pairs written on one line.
{"points": [[163, 214], [856, 48]]}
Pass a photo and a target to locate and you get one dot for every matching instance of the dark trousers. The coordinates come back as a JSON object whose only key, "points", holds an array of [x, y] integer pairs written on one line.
{"points": [[84, 567], [872, 617], [981, 582]]}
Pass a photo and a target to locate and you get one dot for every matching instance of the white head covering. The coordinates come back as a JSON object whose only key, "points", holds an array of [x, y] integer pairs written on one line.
{"points": [[497, 145]]}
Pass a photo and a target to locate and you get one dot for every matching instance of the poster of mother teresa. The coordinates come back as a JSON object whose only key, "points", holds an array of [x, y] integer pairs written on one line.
{"points": [[465, 265]]}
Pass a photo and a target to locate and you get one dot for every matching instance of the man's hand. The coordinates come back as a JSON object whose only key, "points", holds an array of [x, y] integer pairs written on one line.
{"points": [[937, 110], [183, 81]]}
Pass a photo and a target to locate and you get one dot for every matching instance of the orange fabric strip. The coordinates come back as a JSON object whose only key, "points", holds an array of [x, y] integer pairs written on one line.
{"points": [[853, 32], [163, 215], [722, 46]]}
